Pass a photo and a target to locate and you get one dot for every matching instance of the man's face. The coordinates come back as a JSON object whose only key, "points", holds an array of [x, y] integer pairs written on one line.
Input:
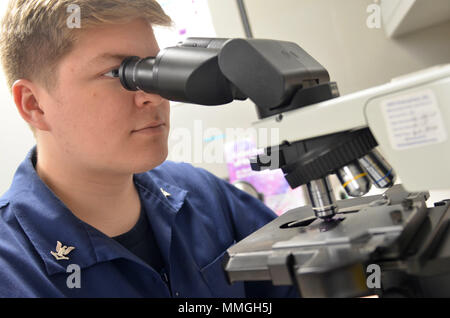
{"points": [[92, 118]]}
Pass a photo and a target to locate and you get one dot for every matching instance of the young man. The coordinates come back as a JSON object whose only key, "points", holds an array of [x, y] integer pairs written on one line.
{"points": [[95, 210]]}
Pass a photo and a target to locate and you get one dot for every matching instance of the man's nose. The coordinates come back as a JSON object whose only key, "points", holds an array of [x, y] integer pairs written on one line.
{"points": [[143, 99]]}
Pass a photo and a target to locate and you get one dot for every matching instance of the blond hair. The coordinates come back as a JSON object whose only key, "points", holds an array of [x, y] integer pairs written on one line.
{"points": [[35, 35]]}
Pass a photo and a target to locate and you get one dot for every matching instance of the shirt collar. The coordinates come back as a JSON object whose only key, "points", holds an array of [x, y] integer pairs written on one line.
{"points": [[45, 219]]}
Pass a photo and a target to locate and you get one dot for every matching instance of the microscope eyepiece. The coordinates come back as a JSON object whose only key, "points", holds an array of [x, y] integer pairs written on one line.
{"points": [[183, 74], [137, 74]]}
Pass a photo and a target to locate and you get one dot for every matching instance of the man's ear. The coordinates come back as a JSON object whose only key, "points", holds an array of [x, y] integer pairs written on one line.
{"points": [[24, 95]]}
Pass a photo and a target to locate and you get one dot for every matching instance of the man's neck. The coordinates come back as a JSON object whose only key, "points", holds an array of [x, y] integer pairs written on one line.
{"points": [[109, 202]]}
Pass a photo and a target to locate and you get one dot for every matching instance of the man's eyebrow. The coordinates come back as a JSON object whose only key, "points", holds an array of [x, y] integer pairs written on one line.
{"points": [[107, 57]]}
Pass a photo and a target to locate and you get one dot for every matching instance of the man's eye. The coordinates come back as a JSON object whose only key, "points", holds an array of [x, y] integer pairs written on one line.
{"points": [[113, 73]]}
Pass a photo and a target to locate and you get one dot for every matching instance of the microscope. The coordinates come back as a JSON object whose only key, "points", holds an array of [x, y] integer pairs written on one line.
{"points": [[390, 245]]}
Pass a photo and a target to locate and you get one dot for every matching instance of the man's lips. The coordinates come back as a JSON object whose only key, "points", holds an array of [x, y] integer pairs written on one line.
{"points": [[154, 125]]}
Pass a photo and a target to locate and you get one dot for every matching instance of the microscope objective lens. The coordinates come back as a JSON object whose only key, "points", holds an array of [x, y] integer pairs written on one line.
{"points": [[322, 198], [354, 179], [378, 169]]}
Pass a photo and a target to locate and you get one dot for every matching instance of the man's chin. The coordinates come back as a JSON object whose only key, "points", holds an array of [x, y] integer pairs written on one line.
{"points": [[149, 164]]}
